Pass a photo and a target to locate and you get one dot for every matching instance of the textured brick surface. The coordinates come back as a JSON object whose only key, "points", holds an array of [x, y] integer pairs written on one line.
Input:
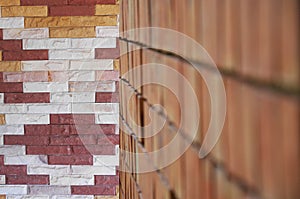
{"points": [[74, 32], [71, 10], [27, 98]]}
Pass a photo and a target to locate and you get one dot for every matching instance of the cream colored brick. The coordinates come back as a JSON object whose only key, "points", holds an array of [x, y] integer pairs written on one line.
{"points": [[94, 21], [116, 65], [107, 9], [10, 66], [26, 11], [2, 119], [73, 32], [9, 2]]}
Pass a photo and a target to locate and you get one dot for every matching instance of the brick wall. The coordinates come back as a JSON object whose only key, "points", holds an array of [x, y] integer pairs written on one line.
{"points": [[255, 44], [58, 98]]}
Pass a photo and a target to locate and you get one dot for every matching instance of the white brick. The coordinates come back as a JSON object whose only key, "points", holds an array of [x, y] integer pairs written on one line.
{"points": [[25, 33], [74, 197], [30, 87], [93, 170], [56, 43], [1, 140], [47, 65], [26, 197], [11, 130], [63, 76], [93, 43], [16, 189], [107, 118], [95, 108], [25, 160], [72, 97], [12, 108], [99, 64], [48, 108], [48, 169], [1, 98], [72, 54], [2, 179], [107, 31], [106, 160], [13, 150], [92, 87], [27, 119], [49, 190], [71, 180], [11, 22]]}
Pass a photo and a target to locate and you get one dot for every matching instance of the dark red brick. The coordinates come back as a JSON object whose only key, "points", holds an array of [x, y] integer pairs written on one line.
{"points": [[43, 2], [27, 98], [72, 10], [60, 130], [1, 34], [91, 2], [1, 159], [72, 119], [108, 139], [11, 45], [13, 170], [26, 140], [40, 129], [93, 129], [94, 149], [26, 179], [25, 55], [107, 97], [11, 87], [71, 160], [93, 190], [1, 76], [106, 180], [73, 140], [48, 150]]}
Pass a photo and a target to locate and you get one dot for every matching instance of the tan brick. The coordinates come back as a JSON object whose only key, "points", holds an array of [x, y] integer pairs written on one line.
{"points": [[116, 65], [2, 122], [74, 32], [0, 55], [9, 3], [38, 22], [107, 9], [10, 66], [26, 11]]}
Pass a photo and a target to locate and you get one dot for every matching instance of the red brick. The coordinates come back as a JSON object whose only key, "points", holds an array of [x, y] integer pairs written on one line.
{"points": [[107, 97], [71, 160], [106, 180], [43, 2], [1, 34], [73, 140], [93, 190], [26, 140], [1, 76], [11, 87], [60, 129], [94, 149], [1, 159], [27, 98], [72, 119], [90, 2], [108, 139], [48, 150], [40, 129], [107, 53], [93, 129], [25, 55], [13, 170], [13, 45], [32, 179], [72, 10]]}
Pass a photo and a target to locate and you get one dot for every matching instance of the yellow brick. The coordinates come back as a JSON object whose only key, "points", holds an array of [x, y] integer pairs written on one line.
{"points": [[39, 22], [0, 55], [2, 122], [10, 66], [26, 11], [9, 2], [116, 65], [75, 32], [107, 9]]}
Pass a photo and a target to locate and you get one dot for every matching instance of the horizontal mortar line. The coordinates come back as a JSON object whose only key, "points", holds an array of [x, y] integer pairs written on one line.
{"points": [[196, 147], [163, 178], [256, 83]]}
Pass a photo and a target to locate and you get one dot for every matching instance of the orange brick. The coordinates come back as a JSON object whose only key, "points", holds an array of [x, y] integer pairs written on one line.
{"points": [[26, 11]]}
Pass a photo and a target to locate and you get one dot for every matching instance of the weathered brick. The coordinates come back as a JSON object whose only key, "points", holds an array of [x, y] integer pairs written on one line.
{"points": [[107, 97], [90, 2], [43, 2], [107, 76], [26, 98], [73, 140], [24, 11], [26, 140], [2, 119], [72, 119], [26, 179], [25, 76], [72, 32], [9, 2], [14, 45], [107, 9], [93, 129], [107, 139], [40, 129], [83, 10], [48, 150], [71, 160], [106, 180], [107, 53], [9, 87], [10, 66], [94, 149], [25, 55], [94, 190], [13, 170]]}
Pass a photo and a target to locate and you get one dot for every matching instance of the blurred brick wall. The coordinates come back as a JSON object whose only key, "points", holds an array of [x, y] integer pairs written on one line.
{"points": [[58, 91], [255, 44]]}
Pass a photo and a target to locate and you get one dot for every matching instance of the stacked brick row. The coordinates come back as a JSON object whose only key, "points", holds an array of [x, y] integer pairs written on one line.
{"points": [[59, 99], [255, 45]]}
